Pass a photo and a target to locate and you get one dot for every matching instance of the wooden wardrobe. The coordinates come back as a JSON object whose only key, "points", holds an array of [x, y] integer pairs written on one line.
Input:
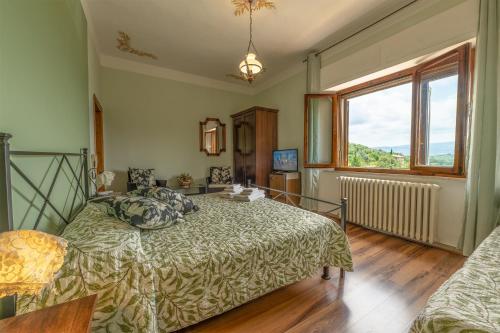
{"points": [[255, 136]]}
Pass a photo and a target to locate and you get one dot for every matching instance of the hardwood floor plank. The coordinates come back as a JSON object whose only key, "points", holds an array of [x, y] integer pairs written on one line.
{"points": [[393, 279]]}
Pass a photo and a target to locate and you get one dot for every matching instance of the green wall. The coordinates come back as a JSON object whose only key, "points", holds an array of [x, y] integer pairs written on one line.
{"points": [[288, 97], [43, 94], [152, 122], [43, 74]]}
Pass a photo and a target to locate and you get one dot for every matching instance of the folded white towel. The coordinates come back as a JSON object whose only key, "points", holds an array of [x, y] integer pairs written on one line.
{"points": [[252, 190], [232, 192], [227, 195], [249, 198]]}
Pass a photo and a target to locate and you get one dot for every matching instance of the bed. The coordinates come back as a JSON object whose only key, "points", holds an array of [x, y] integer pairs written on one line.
{"points": [[469, 301], [222, 256]]}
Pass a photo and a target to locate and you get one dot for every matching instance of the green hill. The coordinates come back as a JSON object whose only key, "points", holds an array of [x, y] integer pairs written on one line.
{"points": [[442, 160], [366, 157]]}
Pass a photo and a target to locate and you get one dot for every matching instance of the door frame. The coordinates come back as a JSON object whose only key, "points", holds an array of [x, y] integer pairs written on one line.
{"points": [[98, 135]]}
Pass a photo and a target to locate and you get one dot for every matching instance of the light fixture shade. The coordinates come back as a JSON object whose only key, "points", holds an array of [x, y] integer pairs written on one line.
{"points": [[250, 66], [105, 178], [28, 261]]}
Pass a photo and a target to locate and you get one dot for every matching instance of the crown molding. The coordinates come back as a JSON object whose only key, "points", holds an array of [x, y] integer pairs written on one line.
{"points": [[170, 74]]}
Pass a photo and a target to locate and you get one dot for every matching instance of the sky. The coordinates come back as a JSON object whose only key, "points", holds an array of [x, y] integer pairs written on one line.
{"points": [[383, 118]]}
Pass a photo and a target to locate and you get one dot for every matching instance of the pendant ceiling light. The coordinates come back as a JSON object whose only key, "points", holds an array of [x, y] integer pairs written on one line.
{"points": [[250, 66]]}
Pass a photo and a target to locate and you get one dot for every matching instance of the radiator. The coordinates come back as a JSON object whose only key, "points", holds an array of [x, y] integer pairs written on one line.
{"points": [[405, 209]]}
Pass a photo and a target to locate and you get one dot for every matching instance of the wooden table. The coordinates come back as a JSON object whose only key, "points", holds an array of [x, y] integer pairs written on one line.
{"points": [[70, 317]]}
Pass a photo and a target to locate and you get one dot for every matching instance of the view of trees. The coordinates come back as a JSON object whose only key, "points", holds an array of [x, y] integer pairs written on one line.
{"points": [[365, 157], [441, 160]]}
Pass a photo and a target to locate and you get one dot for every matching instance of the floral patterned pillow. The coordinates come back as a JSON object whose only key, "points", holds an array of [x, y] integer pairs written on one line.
{"points": [[143, 213], [177, 200], [220, 175], [142, 177]]}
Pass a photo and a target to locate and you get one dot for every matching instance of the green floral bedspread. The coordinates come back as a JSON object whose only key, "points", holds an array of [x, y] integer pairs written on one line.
{"points": [[222, 256], [469, 302]]}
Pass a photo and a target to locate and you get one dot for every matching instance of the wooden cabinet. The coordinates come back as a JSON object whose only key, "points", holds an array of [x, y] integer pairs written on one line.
{"points": [[287, 182], [255, 136]]}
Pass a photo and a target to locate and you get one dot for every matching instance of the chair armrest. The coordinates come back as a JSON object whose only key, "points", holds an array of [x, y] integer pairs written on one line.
{"points": [[161, 182]]}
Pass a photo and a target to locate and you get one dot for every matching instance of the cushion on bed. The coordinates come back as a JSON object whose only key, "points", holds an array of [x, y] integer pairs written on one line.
{"points": [[142, 177], [141, 212], [177, 200], [220, 175]]}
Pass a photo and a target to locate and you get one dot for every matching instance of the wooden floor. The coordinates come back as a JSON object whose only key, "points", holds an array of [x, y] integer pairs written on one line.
{"points": [[391, 282]]}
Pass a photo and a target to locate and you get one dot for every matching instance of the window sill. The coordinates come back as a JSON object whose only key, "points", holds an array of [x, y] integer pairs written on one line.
{"points": [[401, 172]]}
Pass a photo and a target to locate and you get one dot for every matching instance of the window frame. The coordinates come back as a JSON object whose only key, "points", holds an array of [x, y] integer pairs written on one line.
{"points": [[464, 57]]}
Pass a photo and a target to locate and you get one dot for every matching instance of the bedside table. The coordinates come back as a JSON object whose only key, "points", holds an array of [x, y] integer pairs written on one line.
{"points": [[70, 317]]}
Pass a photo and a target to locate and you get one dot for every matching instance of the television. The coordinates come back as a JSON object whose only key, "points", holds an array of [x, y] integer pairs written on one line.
{"points": [[285, 160]]}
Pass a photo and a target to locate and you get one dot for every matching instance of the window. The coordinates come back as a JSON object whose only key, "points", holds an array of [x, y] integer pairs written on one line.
{"points": [[438, 113], [413, 121]]}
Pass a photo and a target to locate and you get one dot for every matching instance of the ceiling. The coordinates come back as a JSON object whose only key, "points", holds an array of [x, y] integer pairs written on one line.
{"points": [[203, 37]]}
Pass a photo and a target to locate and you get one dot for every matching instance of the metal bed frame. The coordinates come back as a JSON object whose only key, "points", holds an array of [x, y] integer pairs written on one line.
{"points": [[78, 180], [342, 207]]}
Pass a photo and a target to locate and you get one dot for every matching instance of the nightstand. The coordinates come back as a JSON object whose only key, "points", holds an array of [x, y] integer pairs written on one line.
{"points": [[70, 317]]}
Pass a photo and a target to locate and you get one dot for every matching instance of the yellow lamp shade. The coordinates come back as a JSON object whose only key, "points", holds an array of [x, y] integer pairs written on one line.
{"points": [[28, 261], [250, 65]]}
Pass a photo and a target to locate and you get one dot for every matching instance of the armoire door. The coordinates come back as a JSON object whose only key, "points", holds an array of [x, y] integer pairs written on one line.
{"points": [[239, 149], [250, 147]]}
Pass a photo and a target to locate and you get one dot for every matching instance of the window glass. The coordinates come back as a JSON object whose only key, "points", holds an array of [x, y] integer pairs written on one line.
{"points": [[379, 128], [438, 120]]}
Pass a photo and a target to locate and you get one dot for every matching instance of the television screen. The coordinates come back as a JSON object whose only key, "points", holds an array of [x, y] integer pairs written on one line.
{"points": [[285, 160]]}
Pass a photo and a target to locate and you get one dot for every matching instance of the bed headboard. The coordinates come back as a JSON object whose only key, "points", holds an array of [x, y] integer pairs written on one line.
{"points": [[70, 167]]}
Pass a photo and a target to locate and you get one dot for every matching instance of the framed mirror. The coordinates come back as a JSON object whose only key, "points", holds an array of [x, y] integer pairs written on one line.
{"points": [[212, 136]]}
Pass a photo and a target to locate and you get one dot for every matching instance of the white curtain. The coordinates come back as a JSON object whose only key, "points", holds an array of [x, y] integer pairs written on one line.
{"points": [[311, 179], [483, 178]]}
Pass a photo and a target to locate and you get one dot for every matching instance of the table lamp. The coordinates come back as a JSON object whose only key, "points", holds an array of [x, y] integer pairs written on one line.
{"points": [[29, 260]]}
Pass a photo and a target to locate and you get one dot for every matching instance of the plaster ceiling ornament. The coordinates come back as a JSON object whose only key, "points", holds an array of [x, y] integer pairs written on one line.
{"points": [[124, 45], [250, 66]]}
